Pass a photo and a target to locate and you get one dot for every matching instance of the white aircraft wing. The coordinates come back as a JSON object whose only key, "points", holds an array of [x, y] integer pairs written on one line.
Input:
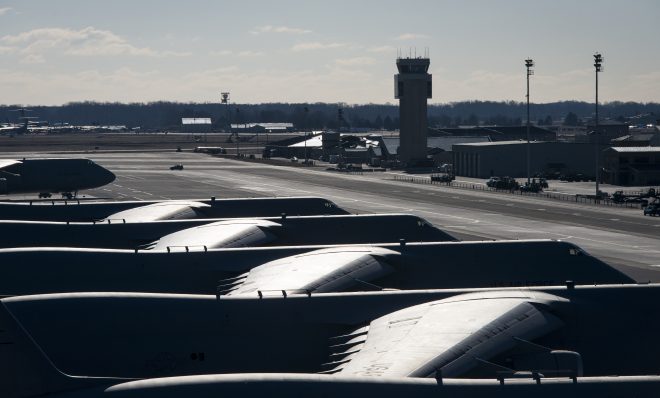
{"points": [[325, 270], [220, 234], [174, 210], [8, 162], [451, 335]]}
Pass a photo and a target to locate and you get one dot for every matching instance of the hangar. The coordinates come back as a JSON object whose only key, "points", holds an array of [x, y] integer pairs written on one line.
{"points": [[486, 159]]}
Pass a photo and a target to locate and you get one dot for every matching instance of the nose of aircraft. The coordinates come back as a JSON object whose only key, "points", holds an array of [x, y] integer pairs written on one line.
{"points": [[106, 176], [109, 176]]}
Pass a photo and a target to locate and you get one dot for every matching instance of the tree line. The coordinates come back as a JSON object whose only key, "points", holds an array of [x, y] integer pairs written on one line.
{"points": [[166, 115]]}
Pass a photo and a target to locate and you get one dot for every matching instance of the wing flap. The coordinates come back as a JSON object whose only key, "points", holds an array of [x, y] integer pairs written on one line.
{"points": [[326, 270], [4, 163], [173, 210], [221, 234], [452, 335]]}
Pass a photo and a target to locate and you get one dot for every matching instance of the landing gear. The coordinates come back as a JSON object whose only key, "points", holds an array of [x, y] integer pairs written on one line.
{"points": [[70, 195], [44, 195]]}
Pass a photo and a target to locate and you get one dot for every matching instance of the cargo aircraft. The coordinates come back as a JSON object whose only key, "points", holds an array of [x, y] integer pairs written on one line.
{"points": [[47, 176], [544, 342]]}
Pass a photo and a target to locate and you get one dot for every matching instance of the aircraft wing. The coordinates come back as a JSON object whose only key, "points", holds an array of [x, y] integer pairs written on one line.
{"points": [[221, 234], [8, 162], [175, 210], [454, 335], [325, 270]]}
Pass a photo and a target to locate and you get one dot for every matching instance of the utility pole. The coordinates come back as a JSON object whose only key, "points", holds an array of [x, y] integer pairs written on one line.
{"points": [[529, 63], [598, 64]]}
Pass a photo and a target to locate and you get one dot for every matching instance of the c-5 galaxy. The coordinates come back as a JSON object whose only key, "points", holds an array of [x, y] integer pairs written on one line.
{"points": [[304, 268], [46, 176], [542, 342]]}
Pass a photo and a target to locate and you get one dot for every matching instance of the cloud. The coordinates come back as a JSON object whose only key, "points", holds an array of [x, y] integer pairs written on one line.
{"points": [[88, 41], [381, 49], [324, 83], [278, 29], [316, 46], [245, 53], [4, 10], [355, 61], [220, 52], [411, 36], [33, 59], [249, 53], [6, 50]]}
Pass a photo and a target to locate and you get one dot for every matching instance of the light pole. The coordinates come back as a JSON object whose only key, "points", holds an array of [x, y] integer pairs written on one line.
{"points": [[598, 64], [305, 131], [238, 145], [529, 63], [225, 101]]}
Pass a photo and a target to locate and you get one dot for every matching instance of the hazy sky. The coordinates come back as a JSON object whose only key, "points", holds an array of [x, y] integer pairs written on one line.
{"points": [[52, 52]]}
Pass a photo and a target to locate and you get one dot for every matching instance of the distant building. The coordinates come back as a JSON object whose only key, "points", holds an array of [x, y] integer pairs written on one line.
{"points": [[412, 87], [644, 139], [605, 132], [195, 120], [196, 124], [262, 127], [509, 158], [497, 133], [569, 133], [632, 165], [439, 148]]}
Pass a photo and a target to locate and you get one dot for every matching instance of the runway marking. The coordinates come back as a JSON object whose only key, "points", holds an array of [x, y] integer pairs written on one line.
{"points": [[258, 189], [510, 204], [614, 219], [137, 191], [540, 209]]}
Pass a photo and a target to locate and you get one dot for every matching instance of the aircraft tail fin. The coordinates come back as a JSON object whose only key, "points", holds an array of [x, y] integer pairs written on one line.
{"points": [[25, 370]]}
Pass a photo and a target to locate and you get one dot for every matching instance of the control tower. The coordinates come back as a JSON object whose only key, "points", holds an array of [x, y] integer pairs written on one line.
{"points": [[412, 86]]}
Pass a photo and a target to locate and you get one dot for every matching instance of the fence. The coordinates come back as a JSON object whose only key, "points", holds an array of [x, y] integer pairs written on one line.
{"points": [[547, 195]]}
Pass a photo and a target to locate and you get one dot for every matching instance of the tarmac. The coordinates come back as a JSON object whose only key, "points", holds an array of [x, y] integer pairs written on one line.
{"points": [[621, 237]]}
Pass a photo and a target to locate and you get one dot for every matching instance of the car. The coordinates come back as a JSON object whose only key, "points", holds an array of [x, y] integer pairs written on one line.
{"points": [[177, 167], [652, 210], [492, 181], [443, 178]]}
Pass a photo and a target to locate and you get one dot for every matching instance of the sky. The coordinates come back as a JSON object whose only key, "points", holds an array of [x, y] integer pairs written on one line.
{"points": [[54, 52]]}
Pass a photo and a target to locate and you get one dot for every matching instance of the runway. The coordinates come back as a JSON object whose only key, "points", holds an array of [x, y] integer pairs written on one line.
{"points": [[622, 237]]}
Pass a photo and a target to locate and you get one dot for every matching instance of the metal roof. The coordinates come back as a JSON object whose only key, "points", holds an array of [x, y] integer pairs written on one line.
{"points": [[196, 120], [500, 143], [312, 142], [639, 149], [267, 126], [445, 143]]}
